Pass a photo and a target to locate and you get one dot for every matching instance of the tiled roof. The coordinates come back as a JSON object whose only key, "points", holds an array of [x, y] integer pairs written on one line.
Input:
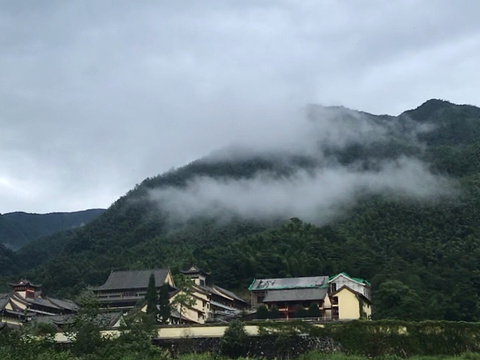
{"points": [[194, 269], [4, 298], [24, 282], [64, 304], [289, 283], [222, 291], [44, 302], [106, 320], [55, 319], [311, 294], [133, 279]]}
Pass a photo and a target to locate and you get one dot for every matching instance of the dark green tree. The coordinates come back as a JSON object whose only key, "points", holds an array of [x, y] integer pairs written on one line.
{"points": [[164, 310], [262, 312], [135, 340], [152, 297], [85, 330], [314, 311], [274, 313], [301, 312], [234, 342], [395, 300]]}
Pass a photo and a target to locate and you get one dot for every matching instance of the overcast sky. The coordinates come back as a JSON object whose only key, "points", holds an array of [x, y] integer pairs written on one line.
{"points": [[95, 96]]}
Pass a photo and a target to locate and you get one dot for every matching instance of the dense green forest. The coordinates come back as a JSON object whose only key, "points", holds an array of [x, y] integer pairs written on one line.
{"points": [[420, 254]]}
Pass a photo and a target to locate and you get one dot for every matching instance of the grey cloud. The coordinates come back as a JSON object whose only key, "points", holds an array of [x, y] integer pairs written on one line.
{"points": [[317, 194], [97, 95], [317, 197]]}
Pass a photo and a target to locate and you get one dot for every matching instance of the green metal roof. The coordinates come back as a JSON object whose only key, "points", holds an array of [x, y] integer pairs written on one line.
{"points": [[363, 281]]}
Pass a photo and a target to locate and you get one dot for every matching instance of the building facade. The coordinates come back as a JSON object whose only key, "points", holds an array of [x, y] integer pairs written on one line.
{"points": [[211, 302], [338, 297], [27, 301], [124, 290]]}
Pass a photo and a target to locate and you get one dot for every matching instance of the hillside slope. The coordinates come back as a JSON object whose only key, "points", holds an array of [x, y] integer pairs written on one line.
{"points": [[392, 199], [19, 228]]}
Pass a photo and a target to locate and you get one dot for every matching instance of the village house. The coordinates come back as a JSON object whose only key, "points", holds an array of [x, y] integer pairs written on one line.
{"points": [[338, 297], [361, 286], [27, 301]]}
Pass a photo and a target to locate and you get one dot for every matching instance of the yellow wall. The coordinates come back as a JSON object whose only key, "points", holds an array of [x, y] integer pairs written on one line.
{"points": [[192, 313], [348, 305], [326, 302], [169, 279], [19, 304], [173, 332]]}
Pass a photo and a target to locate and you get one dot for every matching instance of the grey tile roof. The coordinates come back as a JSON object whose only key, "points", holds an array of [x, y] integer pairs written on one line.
{"points": [[51, 304], [43, 302], [218, 289], [54, 319], [312, 294], [24, 282], [194, 269], [132, 279], [64, 304], [106, 320], [289, 283], [4, 299]]}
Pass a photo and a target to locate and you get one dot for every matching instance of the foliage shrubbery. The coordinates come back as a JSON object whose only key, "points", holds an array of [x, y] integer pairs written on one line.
{"points": [[385, 340], [235, 340]]}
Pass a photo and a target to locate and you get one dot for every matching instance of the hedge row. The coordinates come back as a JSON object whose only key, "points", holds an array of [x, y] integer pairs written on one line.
{"points": [[390, 337]]}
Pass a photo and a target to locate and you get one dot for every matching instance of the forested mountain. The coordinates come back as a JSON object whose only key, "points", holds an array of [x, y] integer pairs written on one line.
{"points": [[393, 199], [19, 228]]}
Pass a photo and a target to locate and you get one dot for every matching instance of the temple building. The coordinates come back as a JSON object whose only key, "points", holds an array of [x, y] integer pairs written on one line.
{"points": [[124, 290], [213, 303], [27, 301]]}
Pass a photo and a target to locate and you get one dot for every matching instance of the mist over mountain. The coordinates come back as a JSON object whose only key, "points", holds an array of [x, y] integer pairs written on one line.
{"points": [[393, 199], [334, 156]]}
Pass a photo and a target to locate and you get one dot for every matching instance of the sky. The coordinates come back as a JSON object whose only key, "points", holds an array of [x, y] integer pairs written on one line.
{"points": [[96, 96]]}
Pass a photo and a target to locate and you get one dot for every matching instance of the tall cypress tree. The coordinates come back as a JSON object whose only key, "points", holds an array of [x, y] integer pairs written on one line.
{"points": [[151, 297], [164, 310]]}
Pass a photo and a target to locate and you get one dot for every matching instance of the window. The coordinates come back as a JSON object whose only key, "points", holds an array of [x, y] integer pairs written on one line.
{"points": [[335, 314]]}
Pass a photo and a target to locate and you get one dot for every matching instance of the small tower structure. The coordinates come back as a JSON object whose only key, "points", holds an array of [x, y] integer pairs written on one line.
{"points": [[26, 289], [197, 275]]}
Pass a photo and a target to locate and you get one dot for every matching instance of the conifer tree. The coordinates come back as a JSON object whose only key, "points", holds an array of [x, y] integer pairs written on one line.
{"points": [[151, 297], [164, 310]]}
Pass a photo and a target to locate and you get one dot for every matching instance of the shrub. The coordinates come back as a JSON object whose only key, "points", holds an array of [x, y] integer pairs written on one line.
{"points": [[262, 312], [234, 342]]}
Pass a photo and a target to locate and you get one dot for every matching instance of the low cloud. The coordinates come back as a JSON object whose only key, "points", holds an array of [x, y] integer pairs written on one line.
{"points": [[319, 192], [317, 196]]}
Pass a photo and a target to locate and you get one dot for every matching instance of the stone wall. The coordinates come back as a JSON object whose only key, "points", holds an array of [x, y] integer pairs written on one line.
{"points": [[265, 346]]}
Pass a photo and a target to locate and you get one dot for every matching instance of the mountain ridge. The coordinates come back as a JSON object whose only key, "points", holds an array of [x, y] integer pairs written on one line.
{"points": [[18, 228], [387, 219]]}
